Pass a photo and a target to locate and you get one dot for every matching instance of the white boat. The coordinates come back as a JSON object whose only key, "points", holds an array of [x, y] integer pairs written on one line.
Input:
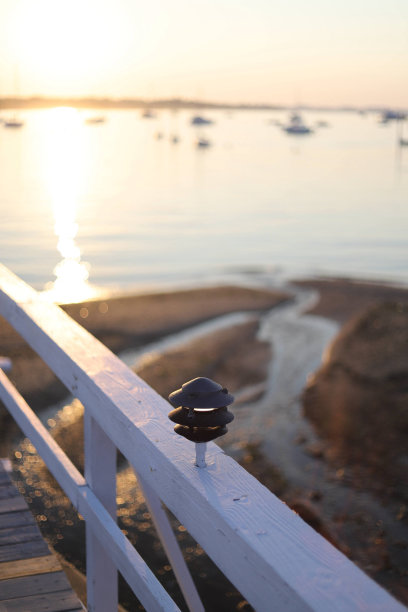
{"points": [[198, 120], [296, 125], [202, 143], [148, 114], [392, 115], [13, 122], [95, 120]]}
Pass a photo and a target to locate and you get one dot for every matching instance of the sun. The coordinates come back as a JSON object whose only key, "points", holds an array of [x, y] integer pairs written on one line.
{"points": [[65, 44]]}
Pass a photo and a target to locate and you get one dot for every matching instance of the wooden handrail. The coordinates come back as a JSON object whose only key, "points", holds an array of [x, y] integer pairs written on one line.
{"points": [[275, 559]]}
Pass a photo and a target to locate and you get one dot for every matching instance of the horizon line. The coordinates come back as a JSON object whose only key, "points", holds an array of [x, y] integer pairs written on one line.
{"points": [[44, 101]]}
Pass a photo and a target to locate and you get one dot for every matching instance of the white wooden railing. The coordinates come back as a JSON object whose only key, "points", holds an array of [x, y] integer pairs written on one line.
{"points": [[273, 558]]}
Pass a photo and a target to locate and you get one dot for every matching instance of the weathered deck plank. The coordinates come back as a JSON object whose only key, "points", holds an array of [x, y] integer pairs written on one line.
{"points": [[15, 519], [12, 504], [4, 478], [29, 567], [62, 601], [18, 534], [23, 550], [8, 490], [31, 578], [24, 586]]}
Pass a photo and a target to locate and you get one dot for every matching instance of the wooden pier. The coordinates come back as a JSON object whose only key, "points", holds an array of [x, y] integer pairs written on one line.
{"points": [[31, 577]]}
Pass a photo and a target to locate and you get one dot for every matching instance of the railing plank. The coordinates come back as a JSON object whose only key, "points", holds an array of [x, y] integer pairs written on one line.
{"points": [[269, 553], [132, 567], [171, 547], [64, 472]]}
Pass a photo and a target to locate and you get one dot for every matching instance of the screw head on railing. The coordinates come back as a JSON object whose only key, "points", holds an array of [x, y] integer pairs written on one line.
{"points": [[5, 364], [201, 414]]}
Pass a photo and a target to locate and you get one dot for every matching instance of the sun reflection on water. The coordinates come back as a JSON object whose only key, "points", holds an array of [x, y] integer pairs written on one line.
{"points": [[64, 164]]}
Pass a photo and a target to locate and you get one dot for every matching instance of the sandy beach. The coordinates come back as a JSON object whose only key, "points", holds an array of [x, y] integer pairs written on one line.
{"points": [[133, 320], [342, 298], [247, 357]]}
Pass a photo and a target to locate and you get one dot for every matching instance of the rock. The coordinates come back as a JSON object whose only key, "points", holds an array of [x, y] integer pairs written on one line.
{"points": [[316, 450], [315, 495], [358, 400]]}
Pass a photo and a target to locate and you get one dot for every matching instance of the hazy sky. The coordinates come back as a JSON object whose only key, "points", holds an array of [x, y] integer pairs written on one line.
{"points": [[273, 51]]}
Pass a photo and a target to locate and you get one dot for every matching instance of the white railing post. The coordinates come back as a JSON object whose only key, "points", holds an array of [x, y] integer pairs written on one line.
{"points": [[100, 475], [171, 547]]}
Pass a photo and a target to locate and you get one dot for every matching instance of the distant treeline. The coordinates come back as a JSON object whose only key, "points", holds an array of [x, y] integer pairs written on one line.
{"points": [[46, 102], [172, 103]]}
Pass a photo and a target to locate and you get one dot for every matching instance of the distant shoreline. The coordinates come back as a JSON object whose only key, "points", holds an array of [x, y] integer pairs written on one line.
{"points": [[39, 102]]}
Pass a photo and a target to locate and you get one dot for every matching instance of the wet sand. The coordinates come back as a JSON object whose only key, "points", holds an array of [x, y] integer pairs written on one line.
{"points": [[342, 298], [128, 321]]}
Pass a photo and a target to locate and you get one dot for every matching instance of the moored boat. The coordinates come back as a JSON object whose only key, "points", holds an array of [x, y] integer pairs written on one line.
{"points": [[95, 120], [13, 122], [296, 125], [198, 120]]}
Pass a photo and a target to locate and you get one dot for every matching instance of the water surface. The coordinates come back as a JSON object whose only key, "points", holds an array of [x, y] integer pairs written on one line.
{"points": [[119, 205]]}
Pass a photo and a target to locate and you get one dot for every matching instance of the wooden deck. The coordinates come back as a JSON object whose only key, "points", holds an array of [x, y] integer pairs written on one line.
{"points": [[31, 577]]}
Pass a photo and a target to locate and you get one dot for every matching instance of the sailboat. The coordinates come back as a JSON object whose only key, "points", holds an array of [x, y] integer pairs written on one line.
{"points": [[296, 125], [95, 120], [148, 114], [13, 122], [199, 120], [202, 142], [402, 141]]}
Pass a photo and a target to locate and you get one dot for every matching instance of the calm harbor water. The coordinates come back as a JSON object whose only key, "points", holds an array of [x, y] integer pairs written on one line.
{"points": [[115, 205]]}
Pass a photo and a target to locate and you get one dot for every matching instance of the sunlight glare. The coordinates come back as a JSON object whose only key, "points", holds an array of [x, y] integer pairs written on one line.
{"points": [[64, 165], [65, 43]]}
